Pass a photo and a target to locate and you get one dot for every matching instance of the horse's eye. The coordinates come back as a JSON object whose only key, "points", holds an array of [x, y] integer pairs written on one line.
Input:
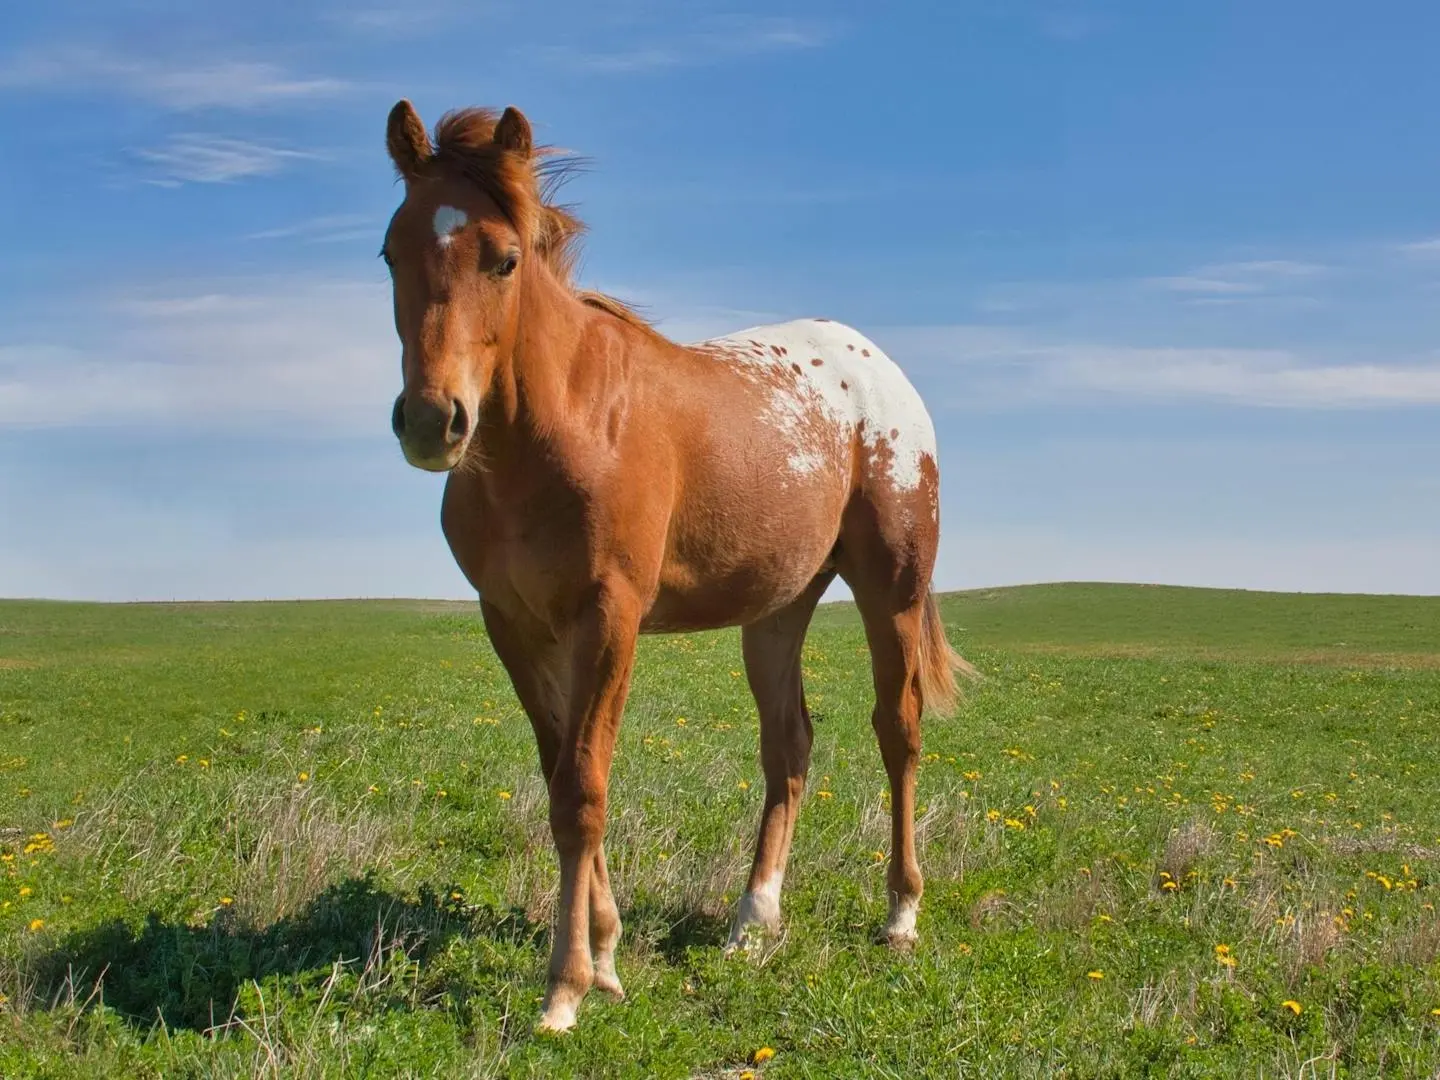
{"points": [[385, 254], [508, 265]]}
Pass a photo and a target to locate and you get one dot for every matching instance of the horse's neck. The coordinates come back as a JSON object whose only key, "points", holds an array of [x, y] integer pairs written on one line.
{"points": [[530, 395]]}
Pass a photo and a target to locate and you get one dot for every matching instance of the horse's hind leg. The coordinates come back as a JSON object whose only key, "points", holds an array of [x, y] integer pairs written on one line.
{"points": [[890, 581], [772, 664]]}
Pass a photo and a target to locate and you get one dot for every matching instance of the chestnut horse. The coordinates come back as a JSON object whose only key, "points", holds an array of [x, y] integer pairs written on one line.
{"points": [[605, 482]]}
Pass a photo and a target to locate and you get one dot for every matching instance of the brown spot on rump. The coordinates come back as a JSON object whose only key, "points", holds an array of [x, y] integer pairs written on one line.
{"points": [[844, 385], [816, 362], [777, 350], [864, 352], [894, 433], [824, 320], [850, 347], [795, 368], [783, 351]]}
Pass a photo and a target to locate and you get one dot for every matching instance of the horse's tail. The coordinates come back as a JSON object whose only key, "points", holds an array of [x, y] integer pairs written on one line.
{"points": [[939, 662]]}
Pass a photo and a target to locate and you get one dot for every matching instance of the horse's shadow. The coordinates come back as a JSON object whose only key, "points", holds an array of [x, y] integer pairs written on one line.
{"points": [[189, 976]]}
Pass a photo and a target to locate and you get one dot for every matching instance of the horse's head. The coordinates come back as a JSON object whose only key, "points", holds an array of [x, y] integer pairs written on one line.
{"points": [[457, 249]]}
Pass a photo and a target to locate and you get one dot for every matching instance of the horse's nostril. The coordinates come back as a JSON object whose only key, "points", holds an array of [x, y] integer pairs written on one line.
{"points": [[397, 417], [459, 423]]}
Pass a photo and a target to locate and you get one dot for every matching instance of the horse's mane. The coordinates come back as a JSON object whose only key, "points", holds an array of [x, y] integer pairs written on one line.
{"points": [[525, 191]]}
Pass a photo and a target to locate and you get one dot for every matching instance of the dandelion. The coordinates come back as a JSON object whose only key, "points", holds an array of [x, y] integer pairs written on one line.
{"points": [[226, 901], [878, 856], [304, 776], [373, 789], [65, 823], [1228, 883], [1014, 823], [1435, 1012], [440, 794], [456, 895], [37, 924], [745, 1074], [1103, 918], [763, 1055], [972, 775], [1094, 976], [503, 795], [824, 794], [204, 762], [182, 759], [992, 815], [1294, 1006], [744, 785]]}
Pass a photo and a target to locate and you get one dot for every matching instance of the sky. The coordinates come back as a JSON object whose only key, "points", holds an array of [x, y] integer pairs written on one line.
{"points": [[1167, 275]]}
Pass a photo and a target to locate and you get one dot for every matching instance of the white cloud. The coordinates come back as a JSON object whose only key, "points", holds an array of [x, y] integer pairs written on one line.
{"points": [[719, 40], [327, 228], [984, 365], [182, 87], [1422, 247], [1190, 283], [313, 352], [213, 159]]}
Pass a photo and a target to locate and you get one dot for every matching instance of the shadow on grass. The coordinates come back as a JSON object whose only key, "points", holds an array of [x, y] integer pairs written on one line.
{"points": [[674, 929], [191, 976]]}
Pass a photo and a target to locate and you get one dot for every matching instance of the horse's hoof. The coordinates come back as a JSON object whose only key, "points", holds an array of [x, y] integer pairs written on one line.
{"points": [[608, 983], [900, 940], [557, 1018]]}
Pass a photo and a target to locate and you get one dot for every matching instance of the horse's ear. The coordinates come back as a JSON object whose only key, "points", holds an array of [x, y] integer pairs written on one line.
{"points": [[513, 132], [406, 140]]}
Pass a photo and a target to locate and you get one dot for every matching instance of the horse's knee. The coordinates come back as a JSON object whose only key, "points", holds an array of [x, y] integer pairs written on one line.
{"points": [[577, 814]]}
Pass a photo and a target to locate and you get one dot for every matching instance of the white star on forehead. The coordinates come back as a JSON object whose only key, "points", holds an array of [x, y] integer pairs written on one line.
{"points": [[447, 220]]}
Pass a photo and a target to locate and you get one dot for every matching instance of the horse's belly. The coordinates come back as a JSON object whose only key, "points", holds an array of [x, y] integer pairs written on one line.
{"points": [[730, 563]]}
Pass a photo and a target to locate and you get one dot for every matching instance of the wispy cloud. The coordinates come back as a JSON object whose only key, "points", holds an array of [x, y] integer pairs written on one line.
{"points": [[317, 351], [719, 40], [1422, 247], [970, 365], [179, 86], [213, 159], [1193, 283], [1240, 278], [325, 229]]}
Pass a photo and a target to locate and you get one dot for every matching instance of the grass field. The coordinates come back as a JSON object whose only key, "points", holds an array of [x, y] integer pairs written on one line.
{"points": [[1177, 832]]}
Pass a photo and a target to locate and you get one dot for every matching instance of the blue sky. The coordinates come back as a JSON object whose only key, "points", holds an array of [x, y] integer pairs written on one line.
{"points": [[1167, 274]]}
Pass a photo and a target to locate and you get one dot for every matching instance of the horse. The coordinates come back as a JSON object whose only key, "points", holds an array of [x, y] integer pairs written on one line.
{"points": [[604, 482]]}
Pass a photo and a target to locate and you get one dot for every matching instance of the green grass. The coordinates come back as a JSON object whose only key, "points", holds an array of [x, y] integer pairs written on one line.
{"points": [[311, 840]]}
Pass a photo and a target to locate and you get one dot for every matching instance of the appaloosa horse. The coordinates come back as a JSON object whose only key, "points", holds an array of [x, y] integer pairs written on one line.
{"points": [[606, 482]]}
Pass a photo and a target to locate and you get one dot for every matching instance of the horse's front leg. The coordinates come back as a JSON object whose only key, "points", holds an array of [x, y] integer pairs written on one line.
{"points": [[539, 669], [602, 655]]}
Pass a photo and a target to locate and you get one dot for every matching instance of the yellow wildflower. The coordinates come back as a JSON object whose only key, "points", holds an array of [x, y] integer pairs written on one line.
{"points": [[1095, 976], [763, 1055], [25, 890], [503, 794], [37, 924], [1294, 1006], [182, 759], [226, 901], [744, 785], [824, 794], [304, 776], [992, 815]]}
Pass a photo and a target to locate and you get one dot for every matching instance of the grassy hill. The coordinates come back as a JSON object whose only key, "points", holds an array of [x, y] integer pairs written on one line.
{"points": [[308, 839]]}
